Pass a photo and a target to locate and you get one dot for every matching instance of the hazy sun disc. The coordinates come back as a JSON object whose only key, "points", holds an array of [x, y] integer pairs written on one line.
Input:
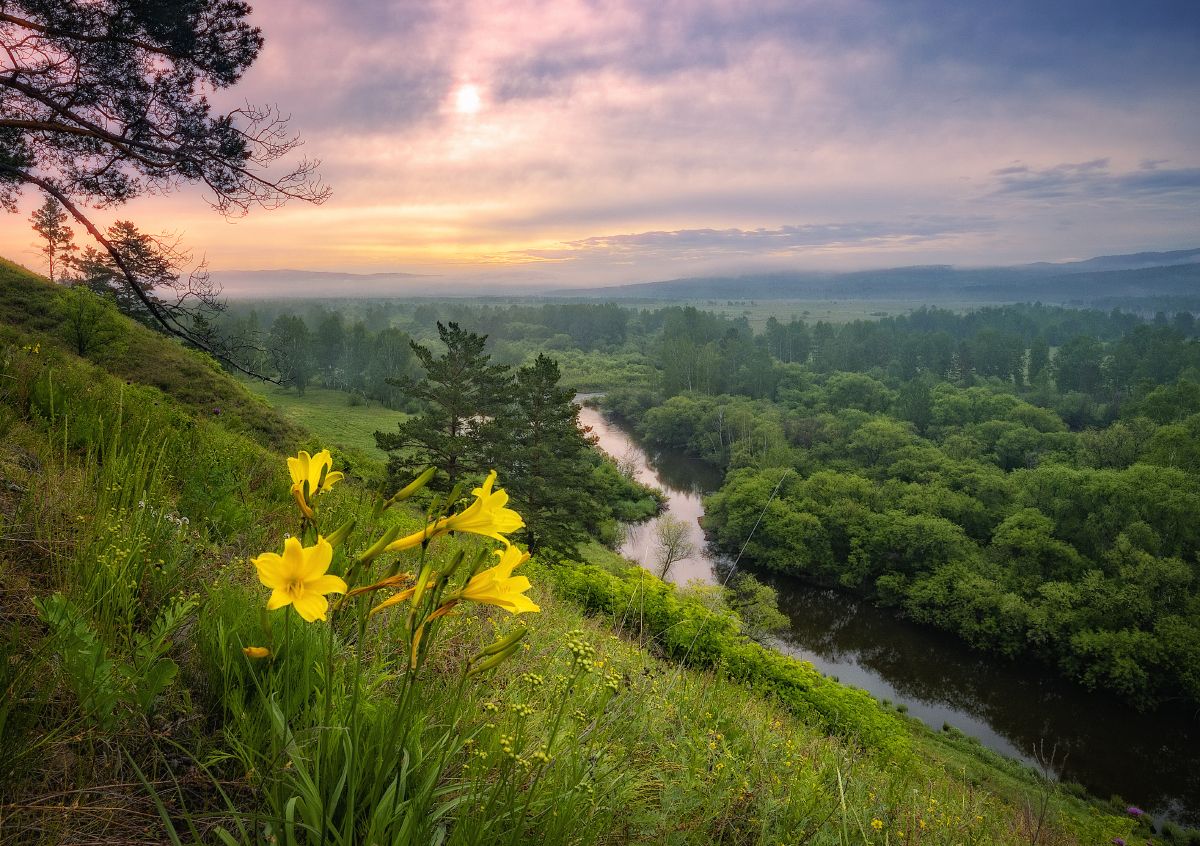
{"points": [[467, 101]]}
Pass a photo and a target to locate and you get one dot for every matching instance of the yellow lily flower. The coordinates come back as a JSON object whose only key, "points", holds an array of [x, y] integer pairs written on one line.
{"points": [[315, 470], [486, 516], [298, 578], [256, 652], [498, 586]]}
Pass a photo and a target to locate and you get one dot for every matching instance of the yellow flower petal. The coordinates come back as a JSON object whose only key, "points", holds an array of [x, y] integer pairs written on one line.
{"points": [[306, 471], [311, 606], [256, 652], [316, 559], [326, 584], [298, 468], [271, 569], [293, 558], [298, 578], [496, 586], [486, 516]]}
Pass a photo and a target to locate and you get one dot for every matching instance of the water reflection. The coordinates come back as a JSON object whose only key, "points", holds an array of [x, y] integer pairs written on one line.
{"points": [[684, 479], [1012, 707]]}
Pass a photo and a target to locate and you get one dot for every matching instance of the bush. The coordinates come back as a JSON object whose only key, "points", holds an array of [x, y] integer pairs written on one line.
{"points": [[688, 630]]}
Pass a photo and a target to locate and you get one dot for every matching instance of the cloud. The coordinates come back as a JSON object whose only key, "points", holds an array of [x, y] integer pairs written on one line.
{"points": [[719, 130], [687, 251], [1093, 180]]}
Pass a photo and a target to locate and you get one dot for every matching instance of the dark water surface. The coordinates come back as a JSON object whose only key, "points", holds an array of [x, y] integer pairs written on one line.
{"points": [[1013, 707]]}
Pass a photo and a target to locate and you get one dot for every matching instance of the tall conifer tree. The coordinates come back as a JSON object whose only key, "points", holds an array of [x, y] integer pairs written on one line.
{"points": [[50, 221], [462, 394], [550, 470]]}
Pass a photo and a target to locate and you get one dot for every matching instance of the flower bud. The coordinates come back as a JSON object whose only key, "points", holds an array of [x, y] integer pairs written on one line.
{"points": [[504, 643], [379, 546], [341, 533], [493, 662], [412, 487]]}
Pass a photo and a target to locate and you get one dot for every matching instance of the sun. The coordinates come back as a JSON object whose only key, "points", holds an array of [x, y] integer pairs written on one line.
{"points": [[467, 100]]}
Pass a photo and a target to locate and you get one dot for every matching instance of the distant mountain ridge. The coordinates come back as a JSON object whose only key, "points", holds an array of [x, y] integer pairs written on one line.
{"points": [[1131, 261], [1147, 274]]}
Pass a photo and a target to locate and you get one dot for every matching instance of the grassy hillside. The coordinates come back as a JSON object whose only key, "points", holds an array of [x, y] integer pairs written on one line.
{"points": [[142, 356], [129, 510], [329, 415]]}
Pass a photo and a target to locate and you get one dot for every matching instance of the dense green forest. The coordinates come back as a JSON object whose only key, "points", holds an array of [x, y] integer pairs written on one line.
{"points": [[1022, 476]]}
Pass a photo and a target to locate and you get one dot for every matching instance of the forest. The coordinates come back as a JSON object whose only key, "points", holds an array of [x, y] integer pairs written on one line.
{"points": [[1021, 476]]}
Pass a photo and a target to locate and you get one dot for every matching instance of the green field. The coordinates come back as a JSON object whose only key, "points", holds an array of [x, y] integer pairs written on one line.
{"points": [[757, 311], [329, 415]]}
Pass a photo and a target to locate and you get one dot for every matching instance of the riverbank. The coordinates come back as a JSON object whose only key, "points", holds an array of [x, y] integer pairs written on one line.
{"points": [[1015, 709]]}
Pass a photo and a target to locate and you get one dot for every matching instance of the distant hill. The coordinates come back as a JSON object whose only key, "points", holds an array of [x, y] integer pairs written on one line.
{"points": [[1132, 261], [1139, 275]]}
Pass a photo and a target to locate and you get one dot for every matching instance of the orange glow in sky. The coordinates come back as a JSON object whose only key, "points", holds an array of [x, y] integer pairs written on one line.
{"points": [[625, 141]]}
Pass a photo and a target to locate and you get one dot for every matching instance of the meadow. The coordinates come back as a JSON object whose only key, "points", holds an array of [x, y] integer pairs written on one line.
{"points": [[331, 415]]}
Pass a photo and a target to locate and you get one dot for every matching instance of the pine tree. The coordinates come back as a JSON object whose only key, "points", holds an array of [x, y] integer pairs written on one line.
{"points": [[102, 101], [462, 395], [50, 221], [546, 461]]}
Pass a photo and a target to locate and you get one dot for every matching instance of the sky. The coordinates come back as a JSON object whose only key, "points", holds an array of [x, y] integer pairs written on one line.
{"points": [[579, 142]]}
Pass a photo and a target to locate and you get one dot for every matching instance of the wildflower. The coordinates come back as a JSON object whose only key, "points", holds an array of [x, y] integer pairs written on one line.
{"points": [[1134, 811], [1118, 841], [877, 824], [256, 652], [498, 586], [486, 516], [298, 578], [311, 475]]}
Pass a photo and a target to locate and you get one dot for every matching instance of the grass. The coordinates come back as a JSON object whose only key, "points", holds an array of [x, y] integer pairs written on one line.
{"points": [[196, 381], [131, 715], [329, 415]]}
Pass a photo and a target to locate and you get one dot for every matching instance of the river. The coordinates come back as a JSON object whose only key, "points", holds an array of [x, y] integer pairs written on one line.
{"points": [[1012, 707]]}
